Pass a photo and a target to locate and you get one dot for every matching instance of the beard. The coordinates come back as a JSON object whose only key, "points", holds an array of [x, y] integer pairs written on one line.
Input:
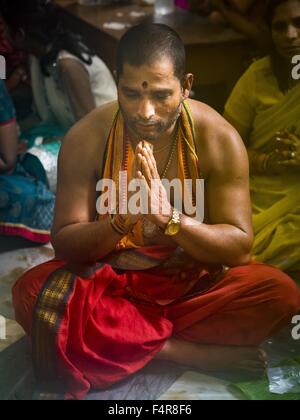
{"points": [[159, 127]]}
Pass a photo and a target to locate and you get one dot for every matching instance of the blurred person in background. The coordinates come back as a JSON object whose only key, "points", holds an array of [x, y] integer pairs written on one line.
{"points": [[16, 81], [264, 107], [245, 16], [26, 204], [67, 79]]}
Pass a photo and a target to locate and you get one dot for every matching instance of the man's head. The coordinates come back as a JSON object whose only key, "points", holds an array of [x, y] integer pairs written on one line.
{"points": [[152, 83]]}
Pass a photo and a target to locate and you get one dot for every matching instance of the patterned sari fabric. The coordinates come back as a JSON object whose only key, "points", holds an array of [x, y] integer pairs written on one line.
{"points": [[7, 111], [94, 325], [26, 204], [259, 106]]}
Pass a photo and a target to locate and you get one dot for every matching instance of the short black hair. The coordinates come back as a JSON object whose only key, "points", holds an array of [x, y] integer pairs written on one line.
{"points": [[146, 43]]}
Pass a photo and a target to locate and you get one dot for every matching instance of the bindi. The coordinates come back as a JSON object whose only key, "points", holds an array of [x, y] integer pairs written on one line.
{"points": [[145, 85]]}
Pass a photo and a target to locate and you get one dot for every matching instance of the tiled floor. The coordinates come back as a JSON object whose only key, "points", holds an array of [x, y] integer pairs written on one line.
{"points": [[196, 386], [12, 265], [157, 380]]}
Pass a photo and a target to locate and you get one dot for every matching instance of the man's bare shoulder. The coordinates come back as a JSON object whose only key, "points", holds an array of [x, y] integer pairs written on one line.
{"points": [[93, 129], [209, 121], [86, 140], [219, 142]]}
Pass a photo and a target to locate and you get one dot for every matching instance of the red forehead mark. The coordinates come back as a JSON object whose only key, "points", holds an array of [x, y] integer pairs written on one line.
{"points": [[145, 85]]}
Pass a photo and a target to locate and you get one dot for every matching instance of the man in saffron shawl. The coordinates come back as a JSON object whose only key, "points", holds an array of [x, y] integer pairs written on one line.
{"points": [[127, 288]]}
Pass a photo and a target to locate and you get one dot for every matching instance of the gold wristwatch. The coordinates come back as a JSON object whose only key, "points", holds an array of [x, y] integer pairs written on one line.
{"points": [[174, 225]]}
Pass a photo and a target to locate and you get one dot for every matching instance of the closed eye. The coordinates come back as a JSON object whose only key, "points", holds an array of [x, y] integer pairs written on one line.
{"points": [[161, 97], [131, 93]]}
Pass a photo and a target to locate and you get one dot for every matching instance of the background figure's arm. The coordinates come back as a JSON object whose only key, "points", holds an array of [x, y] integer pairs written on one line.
{"points": [[256, 160], [76, 237], [85, 242], [253, 30], [77, 83], [228, 237], [272, 162], [8, 147]]}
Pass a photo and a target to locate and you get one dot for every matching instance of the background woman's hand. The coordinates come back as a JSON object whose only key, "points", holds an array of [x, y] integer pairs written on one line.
{"points": [[287, 152]]}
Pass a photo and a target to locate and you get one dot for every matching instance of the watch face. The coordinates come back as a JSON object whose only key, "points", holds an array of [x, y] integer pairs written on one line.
{"points": [[173, 229]]}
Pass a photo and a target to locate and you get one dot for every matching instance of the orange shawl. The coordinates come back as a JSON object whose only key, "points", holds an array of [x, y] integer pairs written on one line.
{"points": [[119, 156]]}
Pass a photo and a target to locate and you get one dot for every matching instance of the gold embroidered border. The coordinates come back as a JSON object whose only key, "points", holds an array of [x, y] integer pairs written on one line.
{"points": [[48, 313]]}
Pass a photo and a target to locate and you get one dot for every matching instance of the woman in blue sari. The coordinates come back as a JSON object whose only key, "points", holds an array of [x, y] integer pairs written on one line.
{"points": [[26, 204]]}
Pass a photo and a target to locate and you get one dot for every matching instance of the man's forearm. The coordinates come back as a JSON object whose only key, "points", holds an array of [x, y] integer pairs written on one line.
{"points": [[85, 242], [216, 244]]}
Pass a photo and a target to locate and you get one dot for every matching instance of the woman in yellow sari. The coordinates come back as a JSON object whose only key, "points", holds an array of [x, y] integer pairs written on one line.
{"points": [[265, 108]]}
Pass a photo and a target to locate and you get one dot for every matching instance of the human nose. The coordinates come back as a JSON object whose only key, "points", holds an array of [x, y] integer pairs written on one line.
{"points": [[146, 110], [291, 32]]}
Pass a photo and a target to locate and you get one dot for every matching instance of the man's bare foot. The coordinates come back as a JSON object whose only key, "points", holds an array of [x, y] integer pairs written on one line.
{"points": [[248, 361]]}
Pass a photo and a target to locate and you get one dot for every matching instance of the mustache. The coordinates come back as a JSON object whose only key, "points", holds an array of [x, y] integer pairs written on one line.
{"points": [[145, 123]]}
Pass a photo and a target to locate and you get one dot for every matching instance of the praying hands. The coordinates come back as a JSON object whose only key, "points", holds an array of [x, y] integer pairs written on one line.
{"points": [[160, 209]]}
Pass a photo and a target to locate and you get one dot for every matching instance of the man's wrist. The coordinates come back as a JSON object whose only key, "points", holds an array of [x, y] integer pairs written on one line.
{"points": [[174, 225], [163, 219]]}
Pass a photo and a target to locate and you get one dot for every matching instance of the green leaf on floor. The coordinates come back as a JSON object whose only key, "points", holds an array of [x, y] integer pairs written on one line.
{"points": [[286, 376]]}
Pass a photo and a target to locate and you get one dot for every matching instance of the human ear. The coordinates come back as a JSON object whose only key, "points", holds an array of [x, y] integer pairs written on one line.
{"points": [[187, 85]]}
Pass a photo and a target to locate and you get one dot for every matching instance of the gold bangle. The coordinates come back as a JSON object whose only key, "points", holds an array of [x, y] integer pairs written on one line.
{"points": [[121, 223], [116, 230], [118, 224], [262, 160], [265, 163], [255, 161], [115, 226]]}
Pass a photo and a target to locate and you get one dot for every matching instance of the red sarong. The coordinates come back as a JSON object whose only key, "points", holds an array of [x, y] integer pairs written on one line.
{"points": [[92, 332]]}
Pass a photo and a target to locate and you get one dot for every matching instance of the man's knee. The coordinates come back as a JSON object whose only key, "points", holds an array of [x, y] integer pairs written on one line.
{"points": [[279, 287], [287, 292], [26, 291], [271, 287]]}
